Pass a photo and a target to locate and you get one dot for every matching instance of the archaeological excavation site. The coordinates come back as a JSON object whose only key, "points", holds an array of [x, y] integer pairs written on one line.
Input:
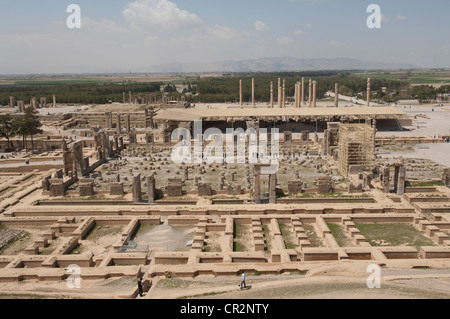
{"points": [[100, 200]]}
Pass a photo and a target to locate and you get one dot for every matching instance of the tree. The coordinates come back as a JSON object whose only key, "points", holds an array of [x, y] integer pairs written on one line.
{"points": [[32, 125], [20, 128], [7, 128]]}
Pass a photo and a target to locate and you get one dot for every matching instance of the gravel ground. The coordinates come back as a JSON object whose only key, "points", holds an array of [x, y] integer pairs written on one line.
{"points": [[7, 235]]}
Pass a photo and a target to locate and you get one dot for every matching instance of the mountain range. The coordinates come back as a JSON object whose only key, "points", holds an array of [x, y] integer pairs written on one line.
{"points": [[283, 64]]}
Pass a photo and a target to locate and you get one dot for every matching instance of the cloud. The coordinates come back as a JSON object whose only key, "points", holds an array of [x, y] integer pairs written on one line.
{"points": [[336, 44], [102, 26], [299, 32], [285, 40], [151, 40], [261, 26], [224, 32], [163, 14]]}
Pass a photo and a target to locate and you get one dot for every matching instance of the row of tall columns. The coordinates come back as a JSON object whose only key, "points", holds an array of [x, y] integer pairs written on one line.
{"points": [[253, 92], [109, 121], [299, 93], [129, 98], [43, 101]]}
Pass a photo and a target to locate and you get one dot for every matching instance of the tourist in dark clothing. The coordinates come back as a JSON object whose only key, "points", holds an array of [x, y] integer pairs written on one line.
{"points": [[140, 287]]}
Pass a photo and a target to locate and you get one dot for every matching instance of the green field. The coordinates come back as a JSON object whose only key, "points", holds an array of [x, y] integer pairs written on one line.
{"points": [[415, 77], [397, 234]]}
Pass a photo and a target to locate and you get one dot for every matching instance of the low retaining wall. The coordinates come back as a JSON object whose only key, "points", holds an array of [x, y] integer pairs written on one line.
{"points": [[325, 200], [431, 252]]}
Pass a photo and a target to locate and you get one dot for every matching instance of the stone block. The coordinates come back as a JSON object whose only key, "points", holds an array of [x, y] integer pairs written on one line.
{"points": [[204, 189], [116, 189]]}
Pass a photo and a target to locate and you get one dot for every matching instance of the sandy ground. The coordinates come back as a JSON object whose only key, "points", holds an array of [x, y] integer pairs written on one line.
{"points": [[437, 123], [330, 282], [344, 281]]}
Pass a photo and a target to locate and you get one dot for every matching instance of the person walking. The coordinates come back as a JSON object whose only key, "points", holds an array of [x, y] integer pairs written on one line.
{"points": [[140, 287], [243, 285]]}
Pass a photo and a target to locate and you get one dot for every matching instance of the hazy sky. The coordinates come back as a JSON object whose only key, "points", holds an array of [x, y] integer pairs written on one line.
{"points": [[127, 35]]}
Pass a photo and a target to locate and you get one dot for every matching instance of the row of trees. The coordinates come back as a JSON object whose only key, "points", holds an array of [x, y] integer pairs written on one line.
{"points": [[227, 89], [25, 125], [84, 93], [224, 89], [384, 90]]}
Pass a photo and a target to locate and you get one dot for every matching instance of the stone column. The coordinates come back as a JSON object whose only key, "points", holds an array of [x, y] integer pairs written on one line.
{"points": [[21, 106], [240, 92], [128, 123], [273, 188], [108, 120], [137, 193], [167, 139], [253, 92], [124, 98], [401, 180], [310, 93], [284, 93], [279, 93], [295, 94], [271, 94], [396, 174], [100, 156], [336, 95], [386, 178], [368, 92], [118, 124], [54, 100], [151, 189], [257, 185], [132, 139], [149, 139], [129, 97], [116, 143], [446, 177], [11, 102], [314, 93], [303, 92]]}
